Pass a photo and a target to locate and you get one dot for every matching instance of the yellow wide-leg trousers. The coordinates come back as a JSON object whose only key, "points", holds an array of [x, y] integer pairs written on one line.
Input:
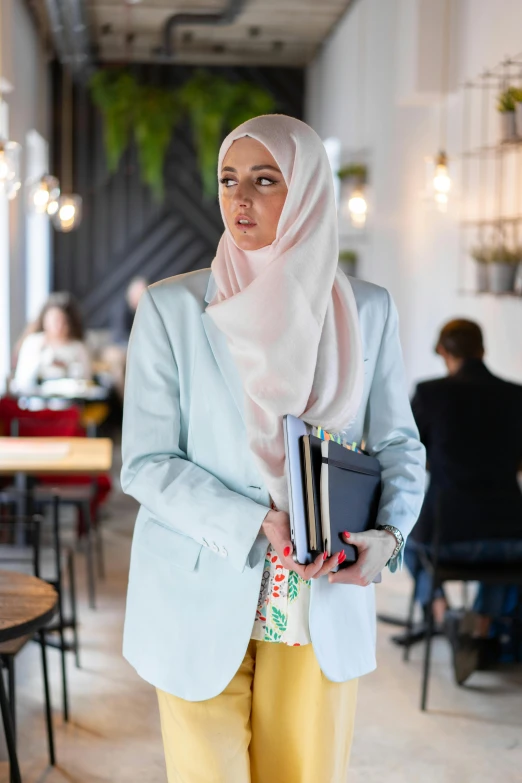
{"points": [[279, 721]]}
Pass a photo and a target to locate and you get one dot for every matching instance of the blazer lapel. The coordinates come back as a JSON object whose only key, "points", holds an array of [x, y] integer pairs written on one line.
{"points": [[225, 361]]}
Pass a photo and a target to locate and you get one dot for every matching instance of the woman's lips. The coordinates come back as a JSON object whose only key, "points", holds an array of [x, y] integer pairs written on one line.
{"points": [[247, 222]]}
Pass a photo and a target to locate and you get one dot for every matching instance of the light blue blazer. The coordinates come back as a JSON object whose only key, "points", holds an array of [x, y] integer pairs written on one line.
{"points": [[197, 552]]}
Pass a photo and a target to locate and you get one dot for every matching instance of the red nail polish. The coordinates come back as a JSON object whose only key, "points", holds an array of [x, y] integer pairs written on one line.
{"points": [[286, 551], [341, 557], [325, 555], [346, 534]]}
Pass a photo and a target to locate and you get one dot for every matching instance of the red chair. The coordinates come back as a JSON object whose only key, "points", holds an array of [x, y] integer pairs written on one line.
{"points": [[39, 424], [84, 492]]}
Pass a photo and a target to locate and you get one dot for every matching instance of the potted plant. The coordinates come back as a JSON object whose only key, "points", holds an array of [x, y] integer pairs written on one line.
{"points": [[348, 262], [356, 172], [481, 255], [518, 113], [507, 102], [502, 266]]}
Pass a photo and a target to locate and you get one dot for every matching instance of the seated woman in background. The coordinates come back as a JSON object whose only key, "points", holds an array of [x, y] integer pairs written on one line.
{"points": [[54, 348]]}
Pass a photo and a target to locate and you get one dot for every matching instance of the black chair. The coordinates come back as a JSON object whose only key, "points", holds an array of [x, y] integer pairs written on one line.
{"points": [[9, 650], [80, 497], [53, 563], [444, 570]]}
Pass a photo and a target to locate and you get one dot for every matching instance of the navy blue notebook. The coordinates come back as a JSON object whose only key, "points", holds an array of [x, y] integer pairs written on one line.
{"points": [[350, 495]]}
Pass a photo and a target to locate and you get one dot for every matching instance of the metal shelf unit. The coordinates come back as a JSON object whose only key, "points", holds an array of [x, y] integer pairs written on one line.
{"points": [[491, 170]]}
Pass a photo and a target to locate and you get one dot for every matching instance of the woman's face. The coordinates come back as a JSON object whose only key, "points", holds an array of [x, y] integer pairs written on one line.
{"points": [[253, 193], [55, 324]]}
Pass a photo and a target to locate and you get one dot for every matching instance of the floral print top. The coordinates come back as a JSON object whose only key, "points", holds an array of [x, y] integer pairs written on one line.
{"points": [[283, 605]]}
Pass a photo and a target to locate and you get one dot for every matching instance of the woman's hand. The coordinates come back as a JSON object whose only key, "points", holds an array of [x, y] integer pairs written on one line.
{"points": [[276, 527], [375, 547]]}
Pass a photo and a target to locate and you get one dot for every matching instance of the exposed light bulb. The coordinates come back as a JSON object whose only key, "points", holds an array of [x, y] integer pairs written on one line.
{"points": [[4, 168], [9, 168], [441, 181], [358, 208], [41, 198], [42, 192], [66, 212]]}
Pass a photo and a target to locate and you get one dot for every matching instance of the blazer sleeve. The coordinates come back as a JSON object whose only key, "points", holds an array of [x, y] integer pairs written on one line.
{"points": [[179, 493], [391, 433]]}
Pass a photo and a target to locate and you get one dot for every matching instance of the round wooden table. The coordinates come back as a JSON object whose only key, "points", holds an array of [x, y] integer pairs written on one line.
{"points": [[27, 604]]}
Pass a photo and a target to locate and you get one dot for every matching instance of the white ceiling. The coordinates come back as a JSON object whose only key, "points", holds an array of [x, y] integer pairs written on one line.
{"points": [[266, 32]]}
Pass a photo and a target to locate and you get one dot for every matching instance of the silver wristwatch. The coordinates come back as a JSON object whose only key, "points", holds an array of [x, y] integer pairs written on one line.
{"points": [[396, 533]]}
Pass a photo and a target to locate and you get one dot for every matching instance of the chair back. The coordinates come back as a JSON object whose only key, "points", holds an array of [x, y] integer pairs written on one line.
{"points": [[9, 410], [20, 542], [39, 424]]}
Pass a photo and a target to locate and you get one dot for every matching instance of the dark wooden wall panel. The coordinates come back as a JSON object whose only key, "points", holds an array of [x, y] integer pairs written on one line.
{"points": [[124, 231]]}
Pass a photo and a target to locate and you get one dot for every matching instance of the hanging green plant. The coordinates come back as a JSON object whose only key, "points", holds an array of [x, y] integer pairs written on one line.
{"points": [[115, 93], [206, 99], [150, 115], [231, 104], [249, 101], [156, 115]]}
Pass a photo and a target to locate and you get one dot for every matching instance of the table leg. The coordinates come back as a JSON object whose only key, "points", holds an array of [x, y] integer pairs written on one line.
{"points": [[24, 504], [9, 733], [20, 482], [89, 554], [47, 693]]}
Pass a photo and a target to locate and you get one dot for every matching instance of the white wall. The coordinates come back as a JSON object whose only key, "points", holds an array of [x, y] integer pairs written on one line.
{"points": [[382, 62], [37, 232], [25, 65]]}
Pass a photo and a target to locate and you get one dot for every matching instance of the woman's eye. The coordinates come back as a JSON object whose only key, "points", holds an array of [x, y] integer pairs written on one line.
{"points": [[266, 181], [227, 182]]}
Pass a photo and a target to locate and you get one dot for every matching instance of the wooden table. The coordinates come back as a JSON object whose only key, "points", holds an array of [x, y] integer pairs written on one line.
{"points": [[26, 603], [26, 606], [24, 458], [69, 456]]}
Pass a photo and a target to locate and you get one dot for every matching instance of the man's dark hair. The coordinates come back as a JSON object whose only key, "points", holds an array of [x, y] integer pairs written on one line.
{"points": [[462, 339]]}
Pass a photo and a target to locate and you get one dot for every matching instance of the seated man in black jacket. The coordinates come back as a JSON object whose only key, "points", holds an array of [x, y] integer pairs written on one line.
{"points": [[471, 425]]}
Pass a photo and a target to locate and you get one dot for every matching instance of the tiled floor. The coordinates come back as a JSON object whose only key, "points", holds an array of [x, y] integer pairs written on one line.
{"points": [[471, 735]]}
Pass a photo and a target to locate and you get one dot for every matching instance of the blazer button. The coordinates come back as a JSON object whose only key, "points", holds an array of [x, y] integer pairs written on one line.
{"points": [[204, 542], [214, 547], [223, 552]]}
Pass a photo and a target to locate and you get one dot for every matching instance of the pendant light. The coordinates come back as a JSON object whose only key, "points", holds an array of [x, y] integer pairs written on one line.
{"points": [[10, 181], [358, 208], [45, 189], [66, 210], [441, 177], [43, 192], [356, 204]]}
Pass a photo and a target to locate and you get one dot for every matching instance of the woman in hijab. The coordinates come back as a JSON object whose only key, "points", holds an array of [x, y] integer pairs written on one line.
{"points": [[255, 657]]}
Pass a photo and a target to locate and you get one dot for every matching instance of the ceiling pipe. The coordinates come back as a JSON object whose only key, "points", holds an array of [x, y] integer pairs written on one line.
{"points": [[57, 28], [68, 23], [227, 16]]}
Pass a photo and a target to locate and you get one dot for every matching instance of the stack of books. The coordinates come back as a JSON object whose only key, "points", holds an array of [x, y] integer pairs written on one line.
{"points": [[333, 486]]}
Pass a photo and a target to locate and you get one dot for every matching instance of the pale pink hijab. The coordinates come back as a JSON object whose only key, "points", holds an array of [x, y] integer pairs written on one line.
{"points": [[289, 315]]}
